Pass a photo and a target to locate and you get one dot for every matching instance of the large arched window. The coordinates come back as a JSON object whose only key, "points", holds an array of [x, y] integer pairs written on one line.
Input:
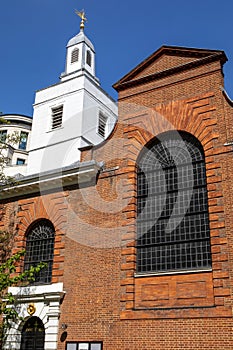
{"points": [[33, 335], [172, 221], [39, 248]]}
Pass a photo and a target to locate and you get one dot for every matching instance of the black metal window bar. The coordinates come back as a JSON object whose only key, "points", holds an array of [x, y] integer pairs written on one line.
{"points": [[172, 221], [40, 248]]}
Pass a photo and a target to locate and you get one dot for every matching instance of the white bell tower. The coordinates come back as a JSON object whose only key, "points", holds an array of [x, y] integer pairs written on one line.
{"points": [[80, 55], [74, 113]]}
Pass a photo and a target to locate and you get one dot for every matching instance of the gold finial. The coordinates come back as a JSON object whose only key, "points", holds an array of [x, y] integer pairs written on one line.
{"points": [[81, 14]]}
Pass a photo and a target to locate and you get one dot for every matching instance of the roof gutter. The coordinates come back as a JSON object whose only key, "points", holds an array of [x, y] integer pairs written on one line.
{"points": [[75, 174]]}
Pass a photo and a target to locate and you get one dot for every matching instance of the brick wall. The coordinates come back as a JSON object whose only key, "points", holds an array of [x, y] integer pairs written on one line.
{"points": [[168, 311], [95, 253]]}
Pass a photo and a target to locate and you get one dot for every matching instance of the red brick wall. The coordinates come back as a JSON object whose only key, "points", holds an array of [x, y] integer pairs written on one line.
{"points": [[95, 227], [178, 311], [27, 211]]}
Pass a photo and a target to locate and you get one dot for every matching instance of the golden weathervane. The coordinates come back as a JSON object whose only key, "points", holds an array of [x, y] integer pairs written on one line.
{"points": [[81, 14]]}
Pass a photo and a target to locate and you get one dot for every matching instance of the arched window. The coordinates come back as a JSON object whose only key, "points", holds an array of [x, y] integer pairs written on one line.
{"points": [[75, 55], [39, 248], [33, 334], [88, 59], [172, 221]]}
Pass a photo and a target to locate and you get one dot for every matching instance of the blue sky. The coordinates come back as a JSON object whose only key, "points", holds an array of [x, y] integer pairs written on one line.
{"points": [[34, 34]]}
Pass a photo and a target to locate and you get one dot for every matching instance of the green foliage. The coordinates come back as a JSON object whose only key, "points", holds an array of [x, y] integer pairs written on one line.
{"points": [[6, 239], [9, 278], [7, 143], [8, 263]]}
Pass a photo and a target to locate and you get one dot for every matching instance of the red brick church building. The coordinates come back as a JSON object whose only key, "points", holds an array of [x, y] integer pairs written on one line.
{"points": [[137, 233]]}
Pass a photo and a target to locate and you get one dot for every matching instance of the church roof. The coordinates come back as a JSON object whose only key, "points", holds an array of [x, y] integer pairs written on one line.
{"points": [[169, 60], [79, 38]]}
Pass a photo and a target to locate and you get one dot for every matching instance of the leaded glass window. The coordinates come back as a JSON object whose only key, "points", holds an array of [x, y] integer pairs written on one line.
{"points": [[40, 248], [172, 221]]}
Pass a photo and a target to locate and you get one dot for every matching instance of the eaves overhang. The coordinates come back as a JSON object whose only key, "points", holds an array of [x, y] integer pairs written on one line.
{"points": [[77, 173], [200, 57]]}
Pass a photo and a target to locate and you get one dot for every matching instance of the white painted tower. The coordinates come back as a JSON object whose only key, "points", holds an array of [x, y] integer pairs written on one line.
{"points": [[71, 114]]}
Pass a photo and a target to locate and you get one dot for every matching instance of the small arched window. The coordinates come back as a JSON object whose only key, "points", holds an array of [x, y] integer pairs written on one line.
{"points": [[33, 334], [40, 248], [172, 222], [75, 55], [88, 59]]}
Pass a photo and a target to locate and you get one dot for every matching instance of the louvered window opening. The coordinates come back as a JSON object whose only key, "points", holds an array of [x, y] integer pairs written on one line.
{"points": [[40, 248], [57, 114], [172, 223], [102, 124], [75, 55]]}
